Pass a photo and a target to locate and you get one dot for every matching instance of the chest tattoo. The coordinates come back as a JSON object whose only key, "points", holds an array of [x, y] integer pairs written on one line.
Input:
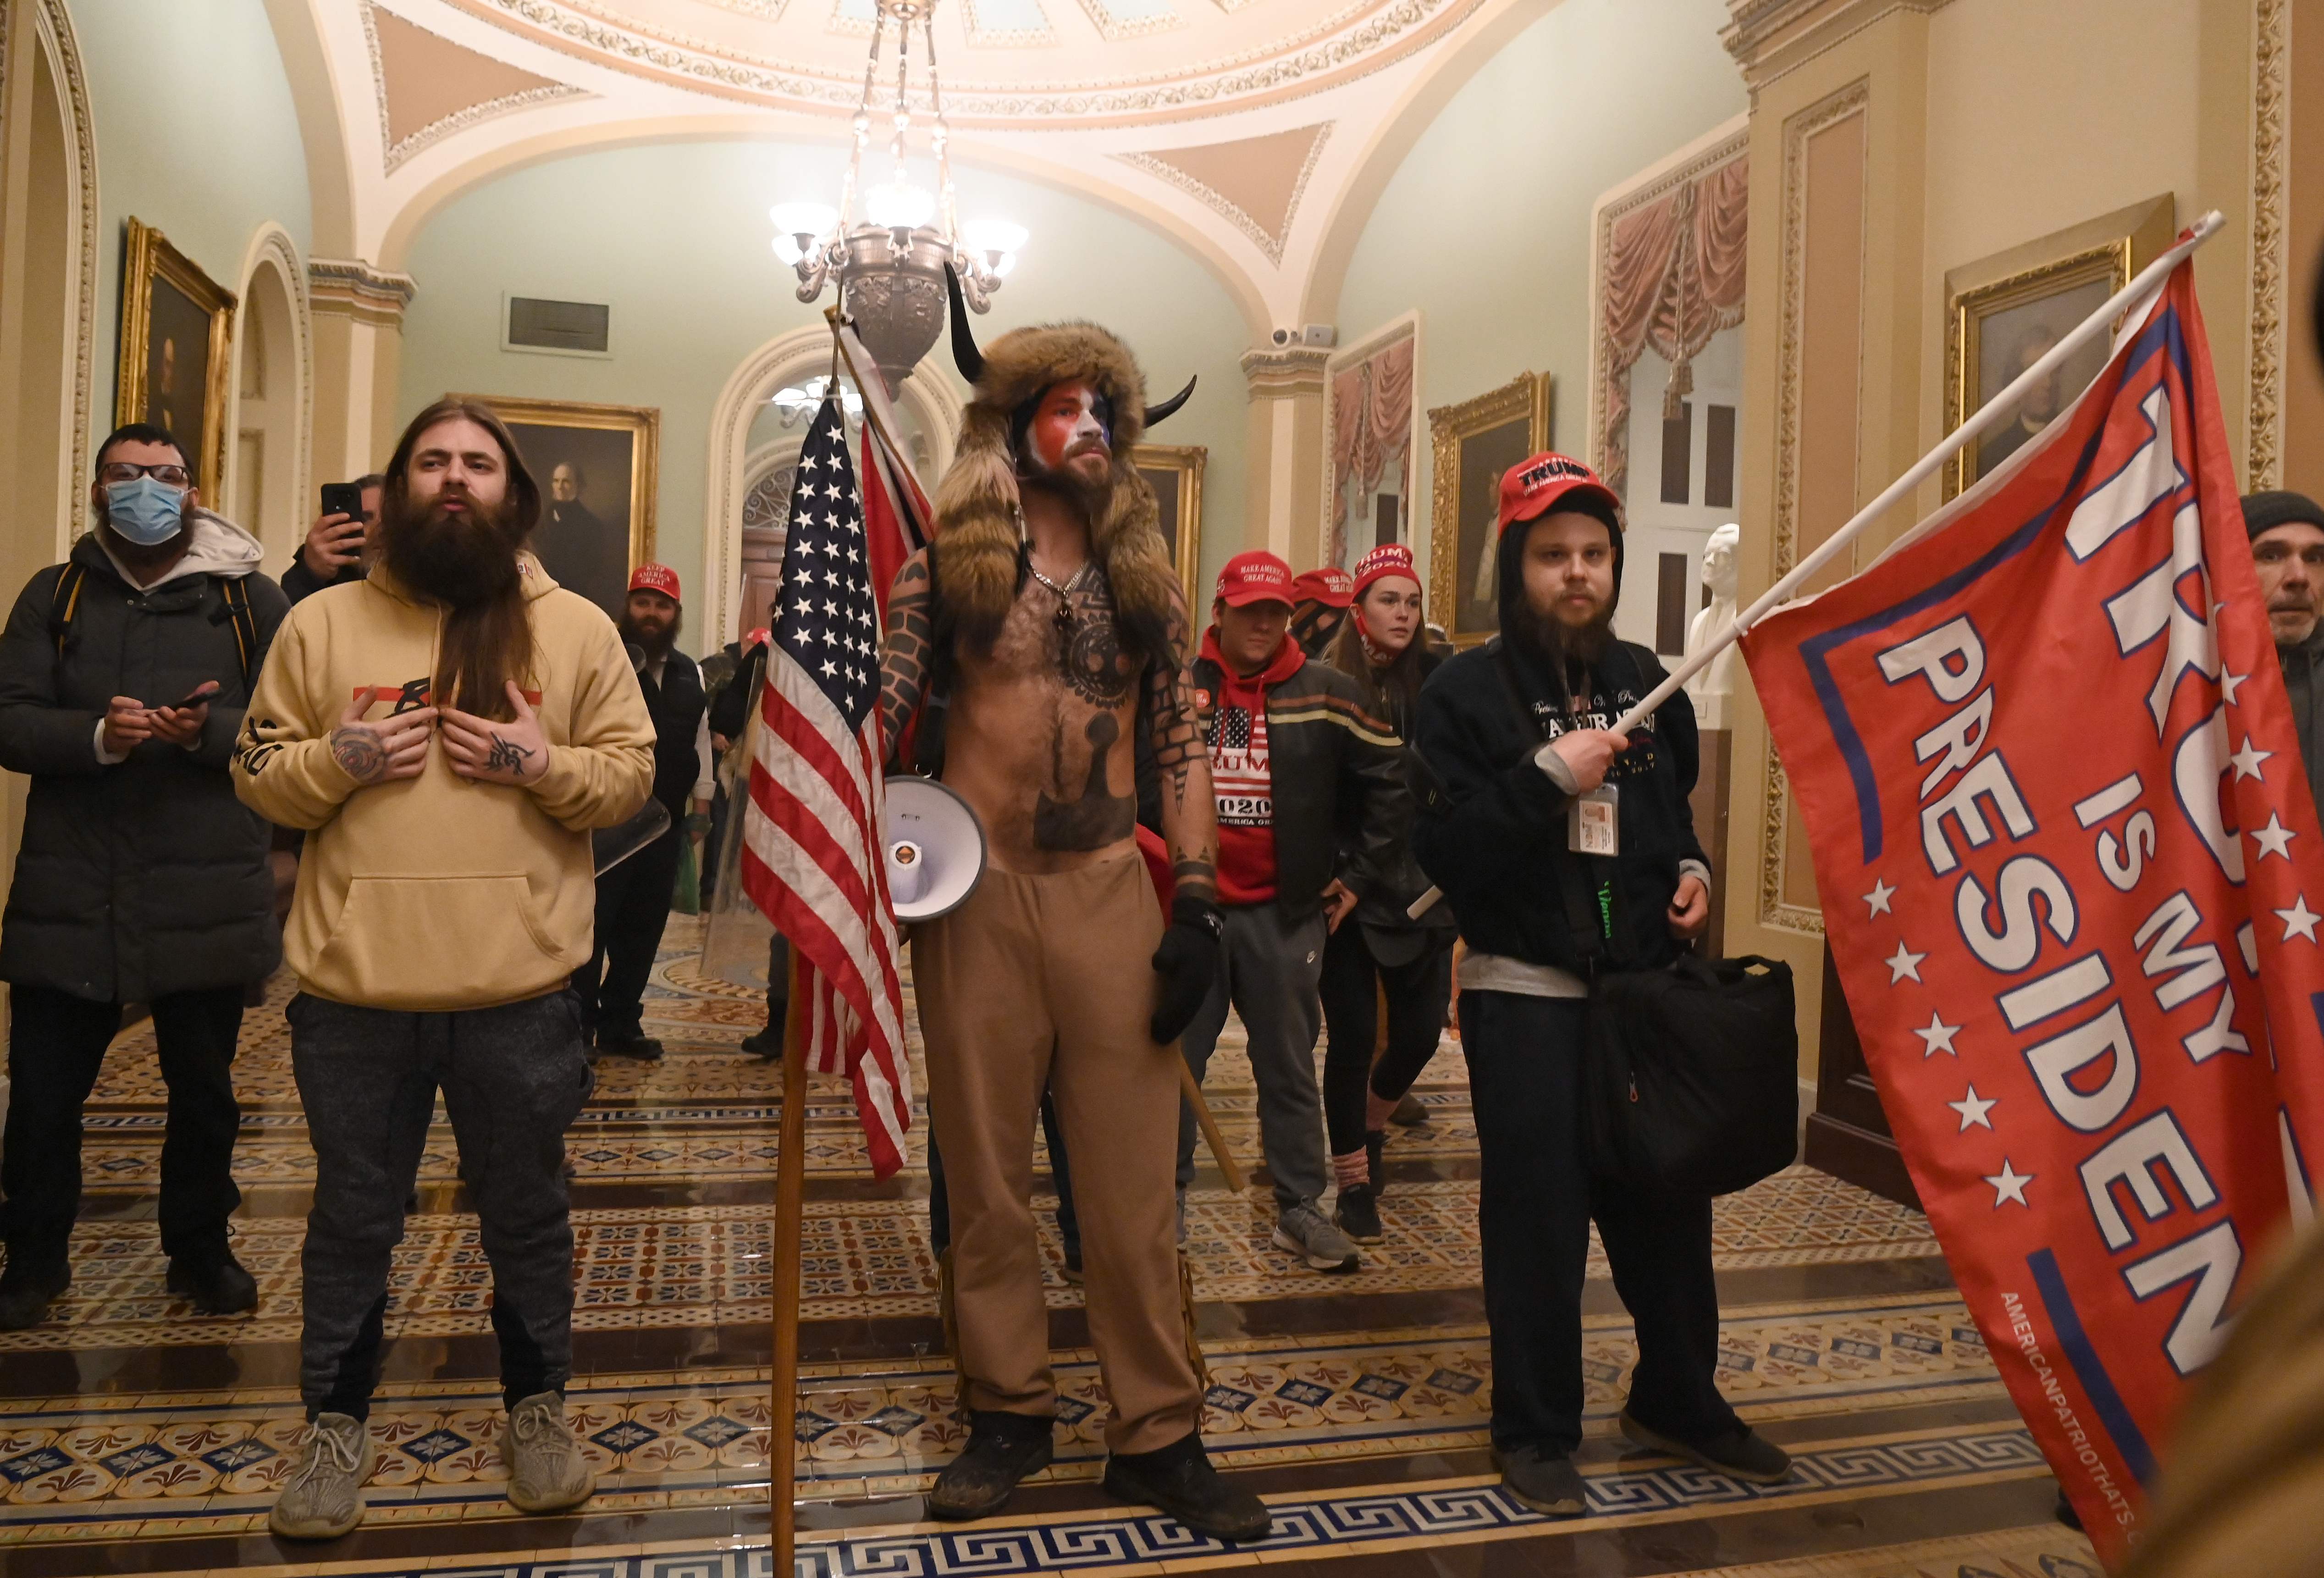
{"points": [[1097, 819]]}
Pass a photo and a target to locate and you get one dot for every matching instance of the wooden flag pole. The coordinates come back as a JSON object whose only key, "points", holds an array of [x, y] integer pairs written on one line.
{"points": [[1211, 1136], [790, 1182]]}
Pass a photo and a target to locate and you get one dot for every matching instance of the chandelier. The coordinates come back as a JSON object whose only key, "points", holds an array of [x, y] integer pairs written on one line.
{"points": [[890, 263]]}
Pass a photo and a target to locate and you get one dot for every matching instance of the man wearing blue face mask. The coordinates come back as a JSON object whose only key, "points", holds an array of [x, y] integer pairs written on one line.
{"points": [[123, 676]]}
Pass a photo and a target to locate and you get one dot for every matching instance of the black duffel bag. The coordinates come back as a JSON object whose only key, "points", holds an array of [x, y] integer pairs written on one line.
{"points": [[1690, 1074]]}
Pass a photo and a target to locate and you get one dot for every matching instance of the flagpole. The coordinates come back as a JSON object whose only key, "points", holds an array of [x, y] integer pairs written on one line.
{"points": [[790, 1179], [1986, 417], [877, 410]]}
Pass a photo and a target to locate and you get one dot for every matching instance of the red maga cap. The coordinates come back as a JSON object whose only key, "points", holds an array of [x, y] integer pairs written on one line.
{"points": [[1332, 587], [654, 578], [1389, 558], [1537, 487], [1256, 577]]}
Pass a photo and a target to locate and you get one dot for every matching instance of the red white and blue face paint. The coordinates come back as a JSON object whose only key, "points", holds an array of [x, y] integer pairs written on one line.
{"points": [[1072, 420]]}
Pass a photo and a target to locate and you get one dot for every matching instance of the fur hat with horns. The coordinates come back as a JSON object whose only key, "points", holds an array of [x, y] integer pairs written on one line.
{"points": [[977, 503]]}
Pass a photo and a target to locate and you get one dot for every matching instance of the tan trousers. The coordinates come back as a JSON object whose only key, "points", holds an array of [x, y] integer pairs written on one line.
{"points": [[1046, 982]]}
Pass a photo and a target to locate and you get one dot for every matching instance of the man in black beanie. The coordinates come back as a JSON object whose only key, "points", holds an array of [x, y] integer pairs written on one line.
{"points": [[2287, 539]]}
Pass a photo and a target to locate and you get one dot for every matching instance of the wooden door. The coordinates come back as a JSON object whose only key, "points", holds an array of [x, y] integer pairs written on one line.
{"points": [[1849, 1135]]}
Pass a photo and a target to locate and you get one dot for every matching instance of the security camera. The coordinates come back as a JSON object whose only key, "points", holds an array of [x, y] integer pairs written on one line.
{"points": [[1284, 336]]}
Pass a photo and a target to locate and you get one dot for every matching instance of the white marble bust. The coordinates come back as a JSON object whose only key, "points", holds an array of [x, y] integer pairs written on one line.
{"points": [[1711, 688]]}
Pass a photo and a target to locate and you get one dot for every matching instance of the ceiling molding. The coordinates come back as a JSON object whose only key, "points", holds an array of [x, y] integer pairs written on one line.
{"points": [[1268, 175], [410, 62], [1352, 42]]}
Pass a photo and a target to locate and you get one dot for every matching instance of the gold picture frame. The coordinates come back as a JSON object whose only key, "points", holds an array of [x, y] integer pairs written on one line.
{"points": [[1470, 445], [590, 549], [2012, 306], [163, 288], [1175, 472]]}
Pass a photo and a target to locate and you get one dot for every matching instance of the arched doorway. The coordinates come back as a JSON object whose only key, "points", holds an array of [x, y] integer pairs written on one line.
{"points": [[48, 305], [48, 258], [267, 464], [749, 435]]}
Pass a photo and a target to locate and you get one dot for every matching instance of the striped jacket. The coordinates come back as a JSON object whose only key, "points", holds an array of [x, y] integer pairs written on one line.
{"points": [[1332, 764]]}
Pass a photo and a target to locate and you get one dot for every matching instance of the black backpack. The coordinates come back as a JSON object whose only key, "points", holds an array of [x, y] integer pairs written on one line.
{"points": [[64, 602]]}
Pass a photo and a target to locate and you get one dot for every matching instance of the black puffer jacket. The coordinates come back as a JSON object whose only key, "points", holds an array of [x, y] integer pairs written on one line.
{"points": [[1329, 764], [148, 877]]}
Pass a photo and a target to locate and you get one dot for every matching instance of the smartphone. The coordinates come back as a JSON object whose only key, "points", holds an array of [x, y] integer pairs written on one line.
{"points": [[195, 698], [343, 498]]}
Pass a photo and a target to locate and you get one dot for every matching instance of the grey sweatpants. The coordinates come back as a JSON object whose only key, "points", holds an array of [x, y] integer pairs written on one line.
{"points": [[1268, 967], [513, 1079]]}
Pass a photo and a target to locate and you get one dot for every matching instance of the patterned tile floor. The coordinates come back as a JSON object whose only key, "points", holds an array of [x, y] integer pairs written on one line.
{"points": [[1364, 1430], [886, 1430]]}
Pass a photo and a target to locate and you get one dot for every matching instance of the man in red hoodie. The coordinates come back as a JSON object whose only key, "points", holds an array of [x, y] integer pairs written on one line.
{"points": [[1295, 761]]}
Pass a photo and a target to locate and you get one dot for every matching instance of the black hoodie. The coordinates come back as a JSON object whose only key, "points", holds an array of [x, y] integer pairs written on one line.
{"points": [[1491, 830]]}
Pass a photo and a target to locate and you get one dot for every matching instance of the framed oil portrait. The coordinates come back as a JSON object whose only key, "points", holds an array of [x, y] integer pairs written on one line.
{"points": [[2003, 312], [595, 464], [176, 328], [1472, 444], [1175, 472]]}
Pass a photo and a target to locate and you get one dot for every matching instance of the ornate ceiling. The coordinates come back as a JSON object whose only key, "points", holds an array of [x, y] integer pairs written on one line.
{"points": [[1254, 132]]}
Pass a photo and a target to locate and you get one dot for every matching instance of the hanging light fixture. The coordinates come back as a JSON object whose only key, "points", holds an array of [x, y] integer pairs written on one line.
{"points": [[890, 263]]}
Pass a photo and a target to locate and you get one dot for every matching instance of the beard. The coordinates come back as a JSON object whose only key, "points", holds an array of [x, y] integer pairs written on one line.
{"points": [[463, 560], [1068, 484], [652, 645], [1560, 647]]}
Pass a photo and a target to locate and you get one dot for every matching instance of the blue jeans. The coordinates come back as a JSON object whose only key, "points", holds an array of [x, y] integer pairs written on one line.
{"points": [[1534, 1213]]}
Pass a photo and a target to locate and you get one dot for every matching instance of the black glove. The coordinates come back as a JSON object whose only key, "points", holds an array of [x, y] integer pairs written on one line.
{"points": [[1188, 963]]}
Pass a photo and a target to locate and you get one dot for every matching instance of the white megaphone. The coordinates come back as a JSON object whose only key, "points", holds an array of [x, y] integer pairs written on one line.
{"points": [[934, 845]]}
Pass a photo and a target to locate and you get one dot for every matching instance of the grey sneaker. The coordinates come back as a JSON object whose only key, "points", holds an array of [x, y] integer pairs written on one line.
{"points": [[323, 1498], [547, 1472], [1304, 1232]]}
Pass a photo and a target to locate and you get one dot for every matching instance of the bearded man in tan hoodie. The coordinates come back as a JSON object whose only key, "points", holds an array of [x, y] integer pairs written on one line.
{"points": [[448, 731]]}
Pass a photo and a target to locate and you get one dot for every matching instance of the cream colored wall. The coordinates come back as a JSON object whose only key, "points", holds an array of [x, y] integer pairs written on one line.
{"points": [[2043, 116], [196, 135]]}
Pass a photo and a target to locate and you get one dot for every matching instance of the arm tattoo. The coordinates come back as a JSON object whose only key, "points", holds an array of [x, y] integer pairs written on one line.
{"points": [[907, 650], [507, 756], [358, 753], [1189, 816]]}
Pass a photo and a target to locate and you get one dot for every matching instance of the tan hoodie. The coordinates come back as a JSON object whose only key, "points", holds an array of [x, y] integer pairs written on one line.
{"points": [[436, 893]]}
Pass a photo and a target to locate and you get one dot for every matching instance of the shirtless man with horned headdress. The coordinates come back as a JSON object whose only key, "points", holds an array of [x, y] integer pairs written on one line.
{"points": [[1047, 618]]}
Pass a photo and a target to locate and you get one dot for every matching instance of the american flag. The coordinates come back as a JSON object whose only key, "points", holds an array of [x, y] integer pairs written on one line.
{"points": [[811, 853]]}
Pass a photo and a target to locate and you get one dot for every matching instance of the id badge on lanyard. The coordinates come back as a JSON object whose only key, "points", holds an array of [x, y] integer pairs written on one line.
{"points": [[1593, 822]]}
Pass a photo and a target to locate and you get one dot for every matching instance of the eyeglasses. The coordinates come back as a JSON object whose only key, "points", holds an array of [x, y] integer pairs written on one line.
{"points": [[122, 471]]}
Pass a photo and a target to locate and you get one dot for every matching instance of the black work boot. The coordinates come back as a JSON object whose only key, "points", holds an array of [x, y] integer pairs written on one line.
{"points": [[1002, 1449], [1180, 1481], [27, 1286], [215, 1280]]}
